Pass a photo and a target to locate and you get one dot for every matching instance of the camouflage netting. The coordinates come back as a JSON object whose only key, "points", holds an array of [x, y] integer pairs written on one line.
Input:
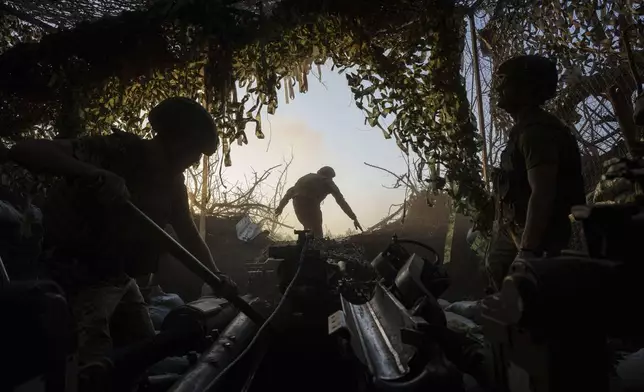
{"points": [[586, 40], [79, 66], [74, 74], [584, 37]]}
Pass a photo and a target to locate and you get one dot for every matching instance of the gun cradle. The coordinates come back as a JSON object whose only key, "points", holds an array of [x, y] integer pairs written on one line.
{"points": [[399, 349], [339, 327], [375, 331]]}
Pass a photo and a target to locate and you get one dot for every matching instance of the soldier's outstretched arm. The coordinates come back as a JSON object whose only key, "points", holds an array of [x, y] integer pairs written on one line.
{"points": [[339, 198], [81, 159], [287, 197], [187, 232], [54, 157]]}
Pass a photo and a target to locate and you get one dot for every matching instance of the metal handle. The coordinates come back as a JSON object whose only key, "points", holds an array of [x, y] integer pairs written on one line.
{"points": [[194, 265], [190, 261], [5, 276]]}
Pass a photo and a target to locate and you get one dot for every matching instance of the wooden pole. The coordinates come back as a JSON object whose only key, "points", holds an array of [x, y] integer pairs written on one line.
{"points": [[479, 97], [449, 236], [205, 163], [204, 195], [619, 95]]}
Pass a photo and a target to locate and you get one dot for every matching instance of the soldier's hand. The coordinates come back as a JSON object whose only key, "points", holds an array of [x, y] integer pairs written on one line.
{"points": [[525, 254], [356, 224], [4, 153], [110, 188], [227, 289], [278, 211]]}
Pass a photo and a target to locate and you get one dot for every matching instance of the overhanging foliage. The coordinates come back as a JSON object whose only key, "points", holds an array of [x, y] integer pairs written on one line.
{"points": [[585, 38], [402, 60]]}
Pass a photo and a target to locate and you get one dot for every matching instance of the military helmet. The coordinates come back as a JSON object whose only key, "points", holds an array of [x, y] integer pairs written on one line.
{"points": [[178, 114], [327, 171], [532, 71]]}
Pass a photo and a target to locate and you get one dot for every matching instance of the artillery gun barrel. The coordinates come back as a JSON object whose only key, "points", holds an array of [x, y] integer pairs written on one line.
{"points": [[228, 346]]}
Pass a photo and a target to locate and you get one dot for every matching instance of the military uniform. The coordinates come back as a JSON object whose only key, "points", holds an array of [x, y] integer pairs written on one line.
{"points": [[538, 138], [308, 193], [96, 249]]}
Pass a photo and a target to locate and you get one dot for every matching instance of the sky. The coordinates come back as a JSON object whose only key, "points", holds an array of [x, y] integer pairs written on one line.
{"points": [[323, 127]]}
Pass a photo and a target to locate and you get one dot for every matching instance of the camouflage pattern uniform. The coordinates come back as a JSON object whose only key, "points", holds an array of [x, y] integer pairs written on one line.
{"points": [[614, 190], [96, 250], [307, 194], [538, 138]]}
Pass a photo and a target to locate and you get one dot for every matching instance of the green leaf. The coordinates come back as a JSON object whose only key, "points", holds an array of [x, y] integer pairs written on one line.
{"points": [[258, 128]]}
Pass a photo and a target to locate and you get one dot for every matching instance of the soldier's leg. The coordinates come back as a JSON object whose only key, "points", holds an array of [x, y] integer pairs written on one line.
{"points": [[316, 223], [131, 322], [93, 308], [301, 213], [502, 253], [310, 217]]}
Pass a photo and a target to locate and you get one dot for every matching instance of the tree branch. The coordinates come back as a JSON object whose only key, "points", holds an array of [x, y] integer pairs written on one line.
{"points": [[404, 178], [243, 198], [594, 85], [27, 18], [386, 220]]}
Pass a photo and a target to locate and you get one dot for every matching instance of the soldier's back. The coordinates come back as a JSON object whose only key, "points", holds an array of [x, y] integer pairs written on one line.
{"points": [[77, 225], [312, 186], [570, 179]]}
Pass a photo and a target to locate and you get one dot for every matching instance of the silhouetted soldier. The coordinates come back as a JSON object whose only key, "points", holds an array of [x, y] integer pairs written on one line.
{"points": [[307, 195], [98, 245], [540, 178]]}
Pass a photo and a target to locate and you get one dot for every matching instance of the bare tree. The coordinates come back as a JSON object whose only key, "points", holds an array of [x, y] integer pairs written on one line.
{"points": [[414, 188], [254, 196]]}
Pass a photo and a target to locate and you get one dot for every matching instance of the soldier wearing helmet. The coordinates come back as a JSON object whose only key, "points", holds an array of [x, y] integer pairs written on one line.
{"points": [[97, 247], [540, 177], [307, 195]]}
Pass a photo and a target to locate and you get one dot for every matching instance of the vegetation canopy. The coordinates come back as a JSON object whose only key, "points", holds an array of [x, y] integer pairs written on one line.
{"points": [[587, 40], [402, 60]]}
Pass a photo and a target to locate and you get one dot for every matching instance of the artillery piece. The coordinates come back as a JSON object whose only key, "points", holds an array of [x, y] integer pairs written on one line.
{"points": [[344, 325], [339, 324]]}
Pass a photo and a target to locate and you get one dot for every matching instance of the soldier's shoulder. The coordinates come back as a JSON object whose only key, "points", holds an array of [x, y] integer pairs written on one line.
{"points": [[541, 125], [544, 121], [118, 149], [117, 140], [307, 178], [124, 139], [124, 145]]}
